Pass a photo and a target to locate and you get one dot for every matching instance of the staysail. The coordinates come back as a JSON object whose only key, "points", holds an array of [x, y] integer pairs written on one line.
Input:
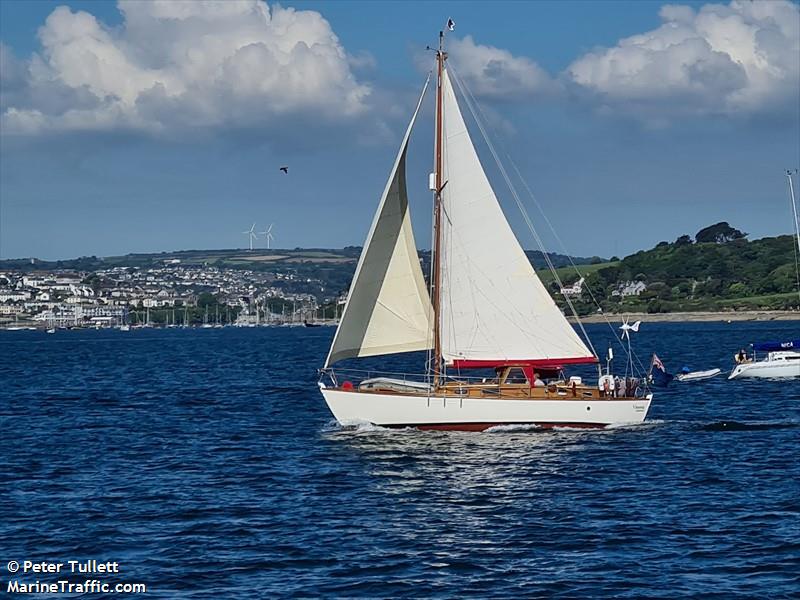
{"points": [[388, 308], [494, 308]]}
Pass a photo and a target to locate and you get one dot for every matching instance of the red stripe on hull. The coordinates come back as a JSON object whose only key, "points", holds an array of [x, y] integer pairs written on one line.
{"points": [[485, 426]]}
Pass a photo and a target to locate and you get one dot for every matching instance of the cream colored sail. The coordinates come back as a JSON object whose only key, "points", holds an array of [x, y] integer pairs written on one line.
{"points": [[493, 305], [388, 308]]}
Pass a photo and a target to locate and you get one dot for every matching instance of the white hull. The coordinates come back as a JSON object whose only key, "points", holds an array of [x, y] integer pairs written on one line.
{"points": [[698, 375], [767, 369], [436, 412]]}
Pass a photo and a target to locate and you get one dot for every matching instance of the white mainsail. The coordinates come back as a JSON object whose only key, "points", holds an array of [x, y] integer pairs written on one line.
{"points": [[493, 305], [388, 308]]}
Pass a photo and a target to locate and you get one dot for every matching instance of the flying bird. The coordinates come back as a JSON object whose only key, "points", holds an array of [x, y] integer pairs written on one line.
{"points": [[285, 170]]}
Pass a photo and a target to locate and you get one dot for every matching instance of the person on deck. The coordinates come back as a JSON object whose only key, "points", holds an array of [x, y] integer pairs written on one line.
{"points": [[537, 382]]}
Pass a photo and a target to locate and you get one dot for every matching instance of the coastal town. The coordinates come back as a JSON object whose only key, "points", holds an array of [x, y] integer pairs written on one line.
{"points": [[168, 295], [266, 287]]}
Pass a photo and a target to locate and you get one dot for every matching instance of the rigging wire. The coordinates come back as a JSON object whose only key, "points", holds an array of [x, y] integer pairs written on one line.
{"points": [[796, 246], [797, 268], [569, 257]]}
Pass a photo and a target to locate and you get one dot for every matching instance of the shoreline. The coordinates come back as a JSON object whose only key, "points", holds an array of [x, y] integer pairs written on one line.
{"points": [[695, 317]]}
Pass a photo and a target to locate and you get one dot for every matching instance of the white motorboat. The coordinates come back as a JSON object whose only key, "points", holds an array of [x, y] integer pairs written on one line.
{"points": [[486, 308], [777, 364], [698, 375], [783, 358]]}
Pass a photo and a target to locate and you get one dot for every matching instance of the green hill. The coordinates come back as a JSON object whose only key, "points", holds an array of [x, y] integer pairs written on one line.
{"points": [[720, 270], [684, 275]]}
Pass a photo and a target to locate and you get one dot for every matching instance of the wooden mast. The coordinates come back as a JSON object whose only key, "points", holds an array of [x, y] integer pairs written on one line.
{"points": [[437, 227]]}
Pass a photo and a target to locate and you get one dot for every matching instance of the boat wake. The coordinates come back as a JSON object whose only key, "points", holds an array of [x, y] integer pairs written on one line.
{"points": [[335, 427], [513, 428], [648, 424]]}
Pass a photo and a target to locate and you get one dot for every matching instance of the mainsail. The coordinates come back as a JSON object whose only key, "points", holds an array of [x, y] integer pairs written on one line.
{"points": [[494, 308], [388, 308]]}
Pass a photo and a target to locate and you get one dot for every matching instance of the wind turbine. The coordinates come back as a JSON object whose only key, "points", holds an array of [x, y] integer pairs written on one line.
{"points": [[626, 334], [626, 329], [267, 233], [251, 234]]}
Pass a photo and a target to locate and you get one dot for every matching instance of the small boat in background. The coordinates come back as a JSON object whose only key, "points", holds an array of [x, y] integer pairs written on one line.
{"points": [[687, 375], [783, 358], [51, 330], [782, 361]]}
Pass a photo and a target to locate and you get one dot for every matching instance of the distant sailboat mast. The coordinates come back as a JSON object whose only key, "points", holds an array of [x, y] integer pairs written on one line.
{"points": [[796, 229], [794, 209]]}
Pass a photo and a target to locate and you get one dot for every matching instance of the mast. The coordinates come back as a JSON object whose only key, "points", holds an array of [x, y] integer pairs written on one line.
{"points": [[437, 226], [794, 208]]}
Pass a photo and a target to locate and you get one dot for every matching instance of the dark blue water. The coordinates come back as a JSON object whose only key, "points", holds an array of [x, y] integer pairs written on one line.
{"points": [[205, 462]]}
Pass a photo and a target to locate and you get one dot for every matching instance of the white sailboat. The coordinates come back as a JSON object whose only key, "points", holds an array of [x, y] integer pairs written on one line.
{"points": [[783, 358], [487, 308], [777, 364]]}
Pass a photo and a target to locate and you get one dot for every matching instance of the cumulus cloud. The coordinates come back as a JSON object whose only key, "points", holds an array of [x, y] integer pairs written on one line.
{"points": [[177, 65], [495, 73], [173, 67], [736, 59]]}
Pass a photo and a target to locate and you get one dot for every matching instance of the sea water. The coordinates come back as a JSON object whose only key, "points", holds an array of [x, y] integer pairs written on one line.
{"points": [[206, 464]]}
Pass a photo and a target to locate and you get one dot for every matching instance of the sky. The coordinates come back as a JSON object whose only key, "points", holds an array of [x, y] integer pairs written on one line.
{"points": [[149, 126]]}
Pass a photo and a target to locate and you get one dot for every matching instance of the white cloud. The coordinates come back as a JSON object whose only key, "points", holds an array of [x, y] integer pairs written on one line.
{"points": [[178, 65], [173, 67], [736, 59], [496, 73]]}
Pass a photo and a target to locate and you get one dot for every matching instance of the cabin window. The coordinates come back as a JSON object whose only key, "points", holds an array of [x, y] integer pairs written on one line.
{"points": [[516, 376]]}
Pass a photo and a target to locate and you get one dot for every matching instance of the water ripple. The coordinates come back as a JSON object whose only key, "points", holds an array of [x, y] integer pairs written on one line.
{"points": [[206, 463]]}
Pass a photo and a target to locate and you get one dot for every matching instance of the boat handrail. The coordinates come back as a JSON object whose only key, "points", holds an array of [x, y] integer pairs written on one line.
{"points": [[341, 374], [338, 373]]}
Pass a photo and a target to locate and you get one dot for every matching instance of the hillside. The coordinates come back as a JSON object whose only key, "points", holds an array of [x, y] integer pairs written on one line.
{"points": [[333, 267], [720, 270], [686, 275]]}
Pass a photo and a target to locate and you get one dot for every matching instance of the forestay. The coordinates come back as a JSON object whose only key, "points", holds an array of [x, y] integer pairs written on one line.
{"points": [[388, 308], [494, 308]]}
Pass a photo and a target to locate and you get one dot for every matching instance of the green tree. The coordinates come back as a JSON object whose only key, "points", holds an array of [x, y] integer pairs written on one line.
{"points": [[206, 299], [719, 233]]}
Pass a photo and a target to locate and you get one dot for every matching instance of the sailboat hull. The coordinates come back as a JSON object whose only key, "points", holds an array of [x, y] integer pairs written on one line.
{"points": [[767, 370], [477, 414]]}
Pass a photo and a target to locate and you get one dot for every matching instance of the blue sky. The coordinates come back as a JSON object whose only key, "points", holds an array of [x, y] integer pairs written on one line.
{"points": [[161, 126]]}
